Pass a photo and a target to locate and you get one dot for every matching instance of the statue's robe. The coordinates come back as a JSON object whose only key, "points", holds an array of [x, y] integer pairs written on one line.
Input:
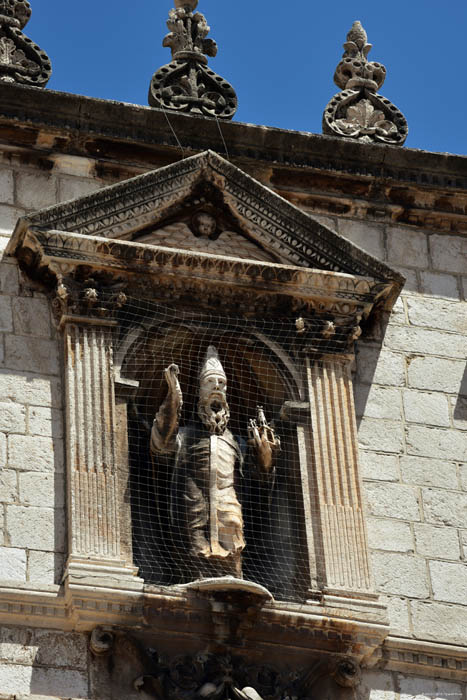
{"points": [[204, 502]]}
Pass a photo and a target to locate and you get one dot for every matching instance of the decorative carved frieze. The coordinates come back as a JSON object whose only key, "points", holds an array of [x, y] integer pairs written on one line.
{"points": [[21, 60], [359, 112], [187, 84]]}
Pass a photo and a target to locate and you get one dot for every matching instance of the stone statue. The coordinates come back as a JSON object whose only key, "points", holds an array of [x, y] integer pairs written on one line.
{"points": [[208, 462]]}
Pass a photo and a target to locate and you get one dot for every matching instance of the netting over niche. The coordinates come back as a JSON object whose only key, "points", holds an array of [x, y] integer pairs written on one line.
{"points": [[214, 467]]}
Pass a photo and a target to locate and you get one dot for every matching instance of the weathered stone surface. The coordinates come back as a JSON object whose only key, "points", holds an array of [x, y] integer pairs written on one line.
{"points": [[381, 436], [44, 567], [16, 645], [58, 649], [31, 316], [426, 408], [36, 190], [400, 574], [3, 451], [428, 689], [459, 412], [33, 354], [449, 253], [463, 476], [429, 472], [12, 418], [376, 685], [379, 467], [436, 542], [36, 453], [436, 443], [47, 422], [47, 682], [26, 388], [399, 618], [393, 501], [438, 313], [379, 402], [439, 622], [390, 535], [6, 321], [7, 195], [39, 489], [9, 278], [439, 285], [445, 507], [366, 236], [424, 342], [36, 528], [449, 581], [8, 486], [16, 679], [436, 374], [407, 247], [387, 368], [73, 187], [8, 218], [12, 565]]}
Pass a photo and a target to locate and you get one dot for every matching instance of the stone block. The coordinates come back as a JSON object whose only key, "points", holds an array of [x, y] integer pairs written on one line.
{"points": [[408, 247], [426, 408], [8, 219], [424, 342], [6, 319], [16, 645], [73, 187], [400, 574], [12, 418], [398, 313], [442, 314], [31, 354], [8, 486], [45, 567], [16, 679], [7, 187], [380, 367], [439, 622], [376, 685], [31, 316], [379, 402], [445, 507], [3, 451], [436, 542], [369, 237], [379, 467], [38, 489], [449, 253], [398, 613], [459, 412], [390, 535], [12, 565], [25, 388], [439, 285], [436, 374], [47, 422], [381, 435], [9, 282], [36, 190], [36, 528], [413, 688], [37, 454], [429, 472], [411, 279], [436, 443], [449, 582], [463, 476], [59, 683], [393, 501], [60, 650]]}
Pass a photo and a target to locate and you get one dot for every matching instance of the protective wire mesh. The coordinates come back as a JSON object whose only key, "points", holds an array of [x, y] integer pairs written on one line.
{"points": [[261, 360]]}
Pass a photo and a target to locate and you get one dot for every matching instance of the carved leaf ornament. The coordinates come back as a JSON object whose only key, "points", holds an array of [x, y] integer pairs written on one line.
{"points": [[358, 111], [187, 84], [21, 60]]}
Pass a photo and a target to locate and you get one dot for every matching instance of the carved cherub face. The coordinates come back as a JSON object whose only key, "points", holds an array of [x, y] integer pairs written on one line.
{"points": [[204, 224]]}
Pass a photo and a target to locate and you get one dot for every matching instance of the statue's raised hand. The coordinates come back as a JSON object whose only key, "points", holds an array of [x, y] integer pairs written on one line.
{"points": [[174, 394]]}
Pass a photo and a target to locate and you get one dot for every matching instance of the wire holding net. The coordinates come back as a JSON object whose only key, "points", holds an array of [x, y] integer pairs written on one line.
{"points": [[176, 486]]}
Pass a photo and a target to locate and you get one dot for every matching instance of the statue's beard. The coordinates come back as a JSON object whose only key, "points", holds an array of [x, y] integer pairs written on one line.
{"points": [[214, 413]]}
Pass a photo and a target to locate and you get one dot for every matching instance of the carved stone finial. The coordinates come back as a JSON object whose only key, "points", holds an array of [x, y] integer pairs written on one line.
{"points": [[359, 112], [21, 61], [187, 84]]}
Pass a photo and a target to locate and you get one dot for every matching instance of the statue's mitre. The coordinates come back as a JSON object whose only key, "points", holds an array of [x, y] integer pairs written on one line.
{"points": [[211, 364]]}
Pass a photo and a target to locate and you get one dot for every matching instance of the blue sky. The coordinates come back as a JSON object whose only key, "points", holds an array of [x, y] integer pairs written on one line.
{"points": [[280, 57]]}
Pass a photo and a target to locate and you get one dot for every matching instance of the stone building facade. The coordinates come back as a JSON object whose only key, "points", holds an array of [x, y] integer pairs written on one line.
{"points": [[80, 625]]}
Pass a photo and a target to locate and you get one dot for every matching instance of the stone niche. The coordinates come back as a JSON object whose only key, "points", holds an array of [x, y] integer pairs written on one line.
{"points": [[153, 271]]}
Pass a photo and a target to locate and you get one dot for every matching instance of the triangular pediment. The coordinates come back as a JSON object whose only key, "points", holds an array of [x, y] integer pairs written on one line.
{"points": [[243, 218]]}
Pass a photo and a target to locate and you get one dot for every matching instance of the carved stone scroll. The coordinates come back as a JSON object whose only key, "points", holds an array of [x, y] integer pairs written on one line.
{"points": [[21, 60], [343, 566]]}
